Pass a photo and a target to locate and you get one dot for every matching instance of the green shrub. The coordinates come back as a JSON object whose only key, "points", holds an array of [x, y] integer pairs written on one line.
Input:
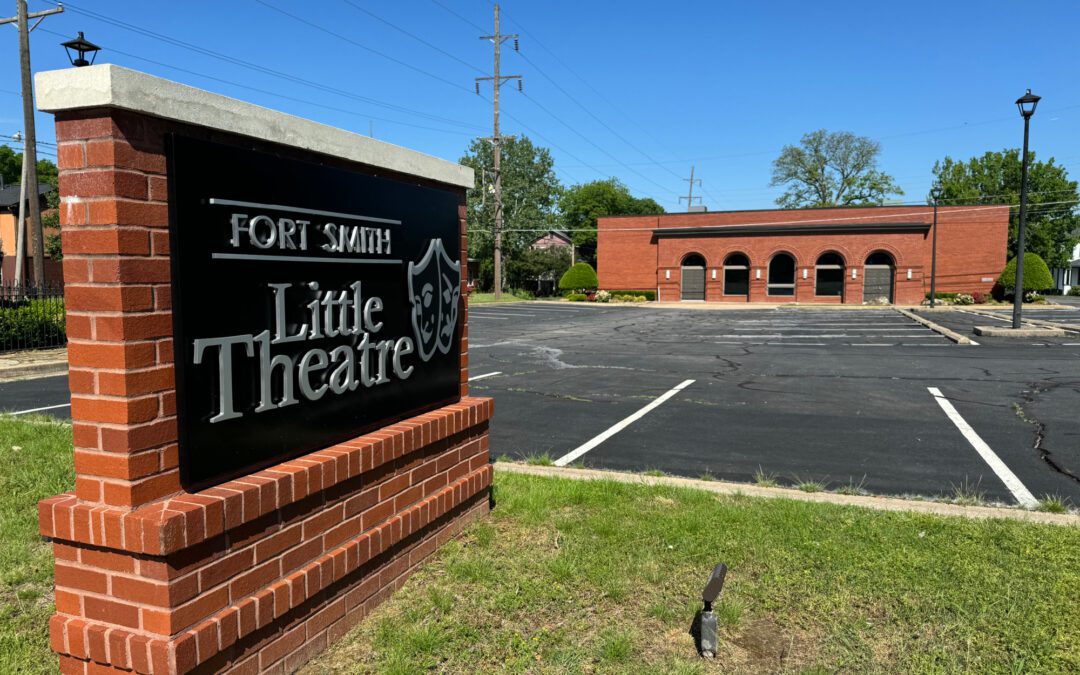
{"points": [[943, 296], [1075, 291], [648, 295], [1036, 275], [576, 297], [579, 277], [31, 325], [964, 299]]}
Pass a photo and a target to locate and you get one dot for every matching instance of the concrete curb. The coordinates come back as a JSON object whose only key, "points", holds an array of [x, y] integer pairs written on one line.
{"points": [[33, 370], [1033, 322], [878, 503], [937, 328]]}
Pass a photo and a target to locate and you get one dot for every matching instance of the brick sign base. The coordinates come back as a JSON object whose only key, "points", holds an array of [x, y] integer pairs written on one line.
{"points": [[252, 575]]}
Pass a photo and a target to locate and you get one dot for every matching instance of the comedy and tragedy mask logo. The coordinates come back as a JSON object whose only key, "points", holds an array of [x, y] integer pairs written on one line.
{"points": [[434, 287]]}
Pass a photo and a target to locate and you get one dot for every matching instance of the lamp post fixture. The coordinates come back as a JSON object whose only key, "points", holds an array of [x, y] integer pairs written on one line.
{"points": [[935, 194], [1026, 104], [83, 47]]}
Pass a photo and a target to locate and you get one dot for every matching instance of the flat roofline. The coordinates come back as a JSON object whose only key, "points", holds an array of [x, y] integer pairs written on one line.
{"points": [[798, 228], [816, 208], [109, 86]]}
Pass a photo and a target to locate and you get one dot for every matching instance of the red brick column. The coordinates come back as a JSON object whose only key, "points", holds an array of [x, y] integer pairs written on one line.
{"points": [[253, 575]]}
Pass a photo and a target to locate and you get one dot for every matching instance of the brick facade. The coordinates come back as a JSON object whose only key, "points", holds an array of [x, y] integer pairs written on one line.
{"points": [[646, 252], [253, 575]]}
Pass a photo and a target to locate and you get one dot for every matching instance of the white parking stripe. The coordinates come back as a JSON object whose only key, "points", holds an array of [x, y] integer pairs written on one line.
{"points": [[597, 440], [1021, 493], [489, 317], [485, 375], [493, 312], [34, 410]]}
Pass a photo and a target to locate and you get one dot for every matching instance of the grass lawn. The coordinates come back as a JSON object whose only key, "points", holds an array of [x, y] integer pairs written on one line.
{"points": [[477, 298], [573, 576], [35, 462]]}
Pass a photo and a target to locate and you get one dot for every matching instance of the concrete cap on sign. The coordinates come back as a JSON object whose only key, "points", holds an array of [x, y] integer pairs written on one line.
{"points": [[109, 86]]}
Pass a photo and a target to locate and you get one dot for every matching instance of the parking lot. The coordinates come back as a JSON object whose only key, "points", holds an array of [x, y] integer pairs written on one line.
{"points": [[849, 398]]}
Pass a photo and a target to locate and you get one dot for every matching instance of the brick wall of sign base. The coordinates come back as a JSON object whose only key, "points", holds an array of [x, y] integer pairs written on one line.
{"points": [[253, 575]]}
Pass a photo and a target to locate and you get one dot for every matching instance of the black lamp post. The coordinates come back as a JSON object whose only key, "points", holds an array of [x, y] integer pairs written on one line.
{"points": [[1026, 104], [83, 47], [935, 194]]}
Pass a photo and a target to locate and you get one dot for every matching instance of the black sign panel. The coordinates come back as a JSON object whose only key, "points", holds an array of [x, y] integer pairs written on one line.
{"points": [[310, 304]]}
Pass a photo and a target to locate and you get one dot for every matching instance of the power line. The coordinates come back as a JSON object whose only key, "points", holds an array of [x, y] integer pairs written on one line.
{"points": [[596, 91], [360, 45], [267, 92], [413, 35], [476, 26], [258, 68], [594, 143], [581, 163]]}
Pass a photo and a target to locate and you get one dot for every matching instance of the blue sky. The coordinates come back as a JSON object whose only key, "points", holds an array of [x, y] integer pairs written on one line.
{"points": [[636, 90]]}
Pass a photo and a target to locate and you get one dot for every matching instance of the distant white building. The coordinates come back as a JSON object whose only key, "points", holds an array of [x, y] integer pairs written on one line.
{"points": [[1069, 276]]}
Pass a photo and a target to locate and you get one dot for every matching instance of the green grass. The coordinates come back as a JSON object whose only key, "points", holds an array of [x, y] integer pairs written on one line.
{"points": [[582, 576], [763, 478], [1054, 504], [477, 298], [36, 458]]}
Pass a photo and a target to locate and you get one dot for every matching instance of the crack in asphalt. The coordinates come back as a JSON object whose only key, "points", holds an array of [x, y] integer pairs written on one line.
{"points": [[1023, 410]]}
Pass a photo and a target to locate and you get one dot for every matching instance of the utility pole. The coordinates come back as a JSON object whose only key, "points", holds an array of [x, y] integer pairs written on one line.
{"points": [[497, 81], [690, 197], [20, 238], [30, 145]]}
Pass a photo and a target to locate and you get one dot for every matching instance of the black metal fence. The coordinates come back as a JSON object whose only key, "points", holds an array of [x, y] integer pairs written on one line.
{"points": [[31, 317]]}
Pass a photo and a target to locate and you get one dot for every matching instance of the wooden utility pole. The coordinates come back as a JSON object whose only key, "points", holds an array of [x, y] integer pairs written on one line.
{"points": [[690, 198], [497, 81], [30, 135], [20, 238]]}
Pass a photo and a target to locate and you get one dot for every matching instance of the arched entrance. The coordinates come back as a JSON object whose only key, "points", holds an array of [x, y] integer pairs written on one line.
{"points": [[879, 273], [737, 275], [781, 275], [829, 276], [693, 277]]}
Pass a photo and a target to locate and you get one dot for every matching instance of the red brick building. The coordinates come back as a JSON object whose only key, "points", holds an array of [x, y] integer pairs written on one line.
{"points": [[837, 255]]}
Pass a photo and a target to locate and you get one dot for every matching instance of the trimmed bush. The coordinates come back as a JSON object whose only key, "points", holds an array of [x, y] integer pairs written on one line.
{"points": [[1036, 275], [1074, 291], [580, 277], [576, 297], [31, 325]]}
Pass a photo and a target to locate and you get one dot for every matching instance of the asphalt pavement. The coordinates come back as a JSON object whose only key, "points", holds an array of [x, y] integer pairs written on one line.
{"points": [[842, 397]]}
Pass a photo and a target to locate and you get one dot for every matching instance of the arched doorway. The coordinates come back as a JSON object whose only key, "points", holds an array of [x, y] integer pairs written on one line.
{"points": [[693, 277], [781, 275], [879, 273], [829, 276], [737, 275]]}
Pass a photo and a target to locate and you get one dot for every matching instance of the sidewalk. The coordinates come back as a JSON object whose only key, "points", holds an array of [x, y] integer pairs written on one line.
{"points": [[33, 363]]}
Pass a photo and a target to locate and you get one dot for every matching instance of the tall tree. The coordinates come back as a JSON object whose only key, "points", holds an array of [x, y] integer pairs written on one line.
{"points": [[582, 204], [994, 178], [831, 169], [11, 167], [530, 195]]}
